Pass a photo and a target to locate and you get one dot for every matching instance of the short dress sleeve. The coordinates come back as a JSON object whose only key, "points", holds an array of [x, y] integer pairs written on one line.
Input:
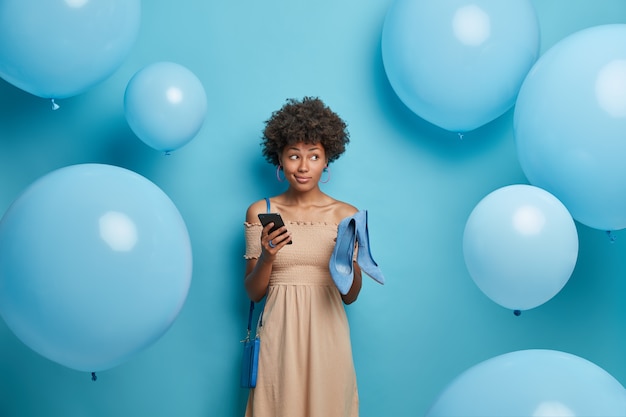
{"points": [[253, 240]]}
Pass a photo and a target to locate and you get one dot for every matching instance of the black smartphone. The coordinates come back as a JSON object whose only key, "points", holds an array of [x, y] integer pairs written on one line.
{"points": [[275, 218]]}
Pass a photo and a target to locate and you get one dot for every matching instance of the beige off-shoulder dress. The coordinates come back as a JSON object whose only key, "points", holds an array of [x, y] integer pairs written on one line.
{"points": [[305, 362]]}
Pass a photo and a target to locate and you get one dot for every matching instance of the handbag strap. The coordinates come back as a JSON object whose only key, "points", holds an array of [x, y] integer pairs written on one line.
{"points": [[250, 317], [267, 202]]}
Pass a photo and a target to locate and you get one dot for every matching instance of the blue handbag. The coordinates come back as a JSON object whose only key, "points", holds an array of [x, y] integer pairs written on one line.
{"points": [[250, 360]]}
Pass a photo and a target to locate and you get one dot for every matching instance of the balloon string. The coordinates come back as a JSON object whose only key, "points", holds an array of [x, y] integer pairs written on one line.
{"points": [[611, 236], [54, 105], [93, 376]]}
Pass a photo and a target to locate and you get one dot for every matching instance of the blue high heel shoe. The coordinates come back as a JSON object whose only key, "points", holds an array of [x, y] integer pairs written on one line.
{"points": [[364, 257], [340, 265]]}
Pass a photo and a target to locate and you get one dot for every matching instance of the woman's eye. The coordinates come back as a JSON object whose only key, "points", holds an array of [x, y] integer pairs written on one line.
{"points": [[315, 157], [293, 157]]}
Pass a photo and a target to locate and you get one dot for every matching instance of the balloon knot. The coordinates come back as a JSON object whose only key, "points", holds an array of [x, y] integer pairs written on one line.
{"points": [[94, 377], [611, 236], [517, 312], [460, 136], [55, 106]]}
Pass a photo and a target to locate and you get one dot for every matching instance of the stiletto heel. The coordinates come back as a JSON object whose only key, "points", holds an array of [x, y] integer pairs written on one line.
{"points": [[340, 265], [364, 257]]}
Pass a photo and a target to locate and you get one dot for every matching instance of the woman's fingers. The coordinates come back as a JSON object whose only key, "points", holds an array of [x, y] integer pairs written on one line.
{"points": [[275, 240]]}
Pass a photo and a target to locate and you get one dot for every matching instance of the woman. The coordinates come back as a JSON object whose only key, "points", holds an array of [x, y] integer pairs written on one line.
{"points": [[305, 362]]}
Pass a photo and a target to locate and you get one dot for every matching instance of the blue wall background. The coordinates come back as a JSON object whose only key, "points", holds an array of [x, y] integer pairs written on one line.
{"points": [[419, 183]]}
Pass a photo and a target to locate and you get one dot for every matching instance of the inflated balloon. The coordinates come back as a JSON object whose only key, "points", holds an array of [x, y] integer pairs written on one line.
{"points": [[58, 49], [569, 124], [536, 382], [165, 105], [95, 265], [520, 246], [459, 64]]}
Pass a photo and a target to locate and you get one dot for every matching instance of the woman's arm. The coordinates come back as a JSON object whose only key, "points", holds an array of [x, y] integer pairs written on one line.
{"points": [[257, 278], [355, 289], [258, 271]]}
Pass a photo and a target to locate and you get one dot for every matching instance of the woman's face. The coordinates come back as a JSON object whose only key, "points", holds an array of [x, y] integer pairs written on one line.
{"points": [[303, 164]]}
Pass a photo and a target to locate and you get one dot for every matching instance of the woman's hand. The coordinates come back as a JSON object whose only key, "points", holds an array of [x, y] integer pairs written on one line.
{"points": [[258, 271], [275, 241]]}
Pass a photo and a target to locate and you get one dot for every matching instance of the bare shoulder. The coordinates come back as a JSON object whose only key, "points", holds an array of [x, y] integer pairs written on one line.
{"points": [[254, 209], [342, 210]]}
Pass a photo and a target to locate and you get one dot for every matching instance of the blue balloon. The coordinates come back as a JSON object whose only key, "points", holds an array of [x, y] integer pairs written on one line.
{"points": [[459, 64], [536, 382], [58, 49], [165, 105], [569, 124], [95, 265], [520, 246]]}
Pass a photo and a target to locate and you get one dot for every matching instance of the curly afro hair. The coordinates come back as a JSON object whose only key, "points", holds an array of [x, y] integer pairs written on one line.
{"points": [[309, 121]]}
